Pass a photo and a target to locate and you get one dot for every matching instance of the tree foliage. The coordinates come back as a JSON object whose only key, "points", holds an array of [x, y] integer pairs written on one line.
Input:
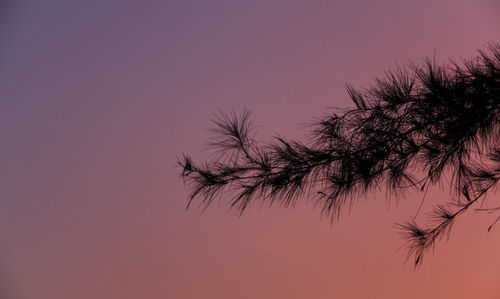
{"points": [[412, 128]]}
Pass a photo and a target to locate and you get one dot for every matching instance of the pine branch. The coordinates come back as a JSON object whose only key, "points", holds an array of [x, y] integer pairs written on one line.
{"points": [[421, 120]]}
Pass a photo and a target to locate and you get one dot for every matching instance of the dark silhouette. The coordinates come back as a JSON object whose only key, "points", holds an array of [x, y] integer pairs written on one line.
{"points": [[412, 128]]}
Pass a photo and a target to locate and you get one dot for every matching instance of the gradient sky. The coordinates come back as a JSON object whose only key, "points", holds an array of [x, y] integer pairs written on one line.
{"points": [[99, 97]]}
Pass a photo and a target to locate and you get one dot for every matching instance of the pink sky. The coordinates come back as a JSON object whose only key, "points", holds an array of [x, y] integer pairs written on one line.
{"points": [[99, 97]]}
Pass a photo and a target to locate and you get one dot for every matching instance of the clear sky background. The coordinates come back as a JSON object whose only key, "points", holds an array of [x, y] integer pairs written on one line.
{"points": [[99, 97]]}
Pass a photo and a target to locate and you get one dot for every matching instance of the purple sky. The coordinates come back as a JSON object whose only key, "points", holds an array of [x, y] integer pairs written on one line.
{"points": [[99, 97]]}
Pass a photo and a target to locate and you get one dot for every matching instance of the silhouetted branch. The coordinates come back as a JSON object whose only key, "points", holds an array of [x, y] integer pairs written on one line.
{"points": [[408, 130]]}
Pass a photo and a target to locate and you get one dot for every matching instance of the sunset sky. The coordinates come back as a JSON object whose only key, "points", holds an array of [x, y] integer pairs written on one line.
{"points": [[100, 97]]}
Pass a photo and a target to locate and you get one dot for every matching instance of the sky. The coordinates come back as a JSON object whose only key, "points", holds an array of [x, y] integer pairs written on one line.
{"points": [[100, 98]]}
